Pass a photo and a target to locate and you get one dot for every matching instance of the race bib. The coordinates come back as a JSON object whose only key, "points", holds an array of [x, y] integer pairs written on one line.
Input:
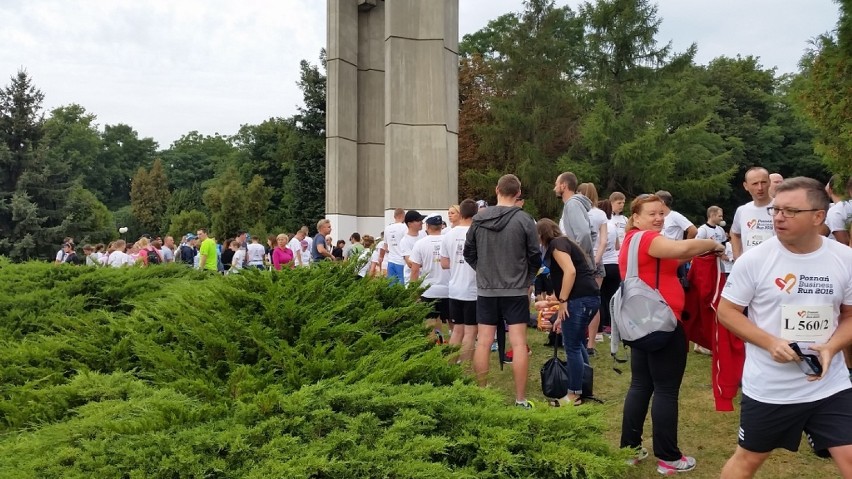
{"points": [[808, 324], [754, 238]]}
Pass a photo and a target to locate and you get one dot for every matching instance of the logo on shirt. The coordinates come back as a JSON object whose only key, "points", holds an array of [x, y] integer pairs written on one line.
{"points": [[786, 283], [815, 285], [751, 223]]}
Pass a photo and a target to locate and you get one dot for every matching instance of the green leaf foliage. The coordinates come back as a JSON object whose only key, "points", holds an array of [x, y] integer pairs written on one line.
{"points": [[172, 372]]}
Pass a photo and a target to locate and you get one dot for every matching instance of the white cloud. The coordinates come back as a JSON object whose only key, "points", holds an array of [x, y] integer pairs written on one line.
{"points": [[168, 67]]}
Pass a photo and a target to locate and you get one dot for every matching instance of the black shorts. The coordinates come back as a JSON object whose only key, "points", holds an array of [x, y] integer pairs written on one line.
{"points": [[440, 307], [515, 310], [463, 312], [827, 423]]}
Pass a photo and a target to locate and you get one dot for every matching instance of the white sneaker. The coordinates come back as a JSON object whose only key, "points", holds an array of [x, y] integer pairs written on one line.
{"points": [[670, 468], [599, 338], [640, 455]]}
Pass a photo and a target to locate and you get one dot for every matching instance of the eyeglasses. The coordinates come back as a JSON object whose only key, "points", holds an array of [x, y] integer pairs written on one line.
{"points": [[786, 212]]}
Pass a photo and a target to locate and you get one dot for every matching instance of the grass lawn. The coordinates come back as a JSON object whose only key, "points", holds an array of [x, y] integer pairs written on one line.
{"points": [[708, 435]]}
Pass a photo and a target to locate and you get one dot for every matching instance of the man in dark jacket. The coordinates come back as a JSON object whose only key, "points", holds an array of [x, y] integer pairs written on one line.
{"points": [[502, 246]]}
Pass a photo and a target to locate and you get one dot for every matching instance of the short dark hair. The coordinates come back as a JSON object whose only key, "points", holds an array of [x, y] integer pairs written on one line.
{"points": [[817, 197], [468, 208], [355, 236], [509, 185], [665, 197], [568, 179]]}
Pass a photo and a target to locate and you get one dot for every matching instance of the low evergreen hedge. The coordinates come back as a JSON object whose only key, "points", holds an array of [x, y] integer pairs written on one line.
{"points": [[167, 372]]}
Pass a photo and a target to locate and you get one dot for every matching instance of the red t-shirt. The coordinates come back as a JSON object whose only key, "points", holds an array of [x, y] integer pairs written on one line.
{"points": [[670, 287]]}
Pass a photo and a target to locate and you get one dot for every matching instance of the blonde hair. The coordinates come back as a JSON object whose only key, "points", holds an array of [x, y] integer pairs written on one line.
{"points": [[636, 207], [589, 191], [282, 236]]}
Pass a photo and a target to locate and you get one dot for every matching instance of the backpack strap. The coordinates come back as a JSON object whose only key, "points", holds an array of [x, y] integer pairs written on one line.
{"points": [[633, 255], [633, 259]]}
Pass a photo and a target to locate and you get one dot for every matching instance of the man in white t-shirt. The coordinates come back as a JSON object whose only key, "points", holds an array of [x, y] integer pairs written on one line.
{"points": [[839, 217], [414, 231], [675, 225], [752, 224], [394, 233], [798, 290], [425, 261], [714, 229], [461, 287]]}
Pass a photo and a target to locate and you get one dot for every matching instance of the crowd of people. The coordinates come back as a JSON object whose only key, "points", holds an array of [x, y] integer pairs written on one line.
{"points": [[785, 261]]}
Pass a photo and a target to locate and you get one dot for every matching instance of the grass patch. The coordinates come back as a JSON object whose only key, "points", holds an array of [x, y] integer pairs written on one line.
{"points": [[709, 436]]}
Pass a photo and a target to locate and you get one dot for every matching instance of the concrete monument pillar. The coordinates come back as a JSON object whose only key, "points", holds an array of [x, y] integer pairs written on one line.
{"points": [[392, 111]]}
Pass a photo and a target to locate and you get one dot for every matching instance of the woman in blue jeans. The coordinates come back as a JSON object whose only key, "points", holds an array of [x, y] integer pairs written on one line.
{"points": [[578, 297]]}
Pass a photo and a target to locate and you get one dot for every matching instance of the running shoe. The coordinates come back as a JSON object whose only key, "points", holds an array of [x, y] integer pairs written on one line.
{"points": [[670, 468], [640, 455]]}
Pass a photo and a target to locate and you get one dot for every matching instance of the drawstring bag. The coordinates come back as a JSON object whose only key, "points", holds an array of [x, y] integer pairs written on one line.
{"points": [[554, 379], [554, 376]]}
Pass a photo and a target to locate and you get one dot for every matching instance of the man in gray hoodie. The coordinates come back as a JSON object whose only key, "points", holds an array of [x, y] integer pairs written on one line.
{"points": [[575, 222], [503, 247]]}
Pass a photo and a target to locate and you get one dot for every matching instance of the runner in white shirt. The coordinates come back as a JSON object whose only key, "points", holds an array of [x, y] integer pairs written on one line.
{"points": [[612, 277], [675, 224], [425, 260], [839, 217], [798, 290], [414, 231], [752, 224], [462, 282], [394, 233], [714, 229], [118, 257]]}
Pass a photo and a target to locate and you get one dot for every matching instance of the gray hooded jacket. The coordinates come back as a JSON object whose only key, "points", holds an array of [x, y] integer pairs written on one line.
{"points": [[502, 246], [576, 225]]}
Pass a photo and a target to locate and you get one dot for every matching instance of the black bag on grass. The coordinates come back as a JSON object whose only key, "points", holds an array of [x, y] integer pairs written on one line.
{"points": [[554, 377]]}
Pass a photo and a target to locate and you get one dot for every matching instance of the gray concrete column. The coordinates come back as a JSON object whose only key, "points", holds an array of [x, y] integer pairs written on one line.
{"points": [[421, 104], [341, 193], [392, 110]]}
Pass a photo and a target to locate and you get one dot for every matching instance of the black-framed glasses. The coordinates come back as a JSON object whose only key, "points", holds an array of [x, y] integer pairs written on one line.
{"points": [[787, 212]]}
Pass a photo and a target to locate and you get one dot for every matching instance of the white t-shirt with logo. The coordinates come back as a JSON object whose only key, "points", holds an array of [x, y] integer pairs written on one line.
{"points": [[427, 253], [796, 297], [394, 234], [462, 284], [753, 224], [674, 225], [839, 216]]}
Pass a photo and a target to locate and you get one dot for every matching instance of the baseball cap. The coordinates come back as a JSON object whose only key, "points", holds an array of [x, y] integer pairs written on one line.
{"points": [[434, 220], [413, 215], [481, 204]]}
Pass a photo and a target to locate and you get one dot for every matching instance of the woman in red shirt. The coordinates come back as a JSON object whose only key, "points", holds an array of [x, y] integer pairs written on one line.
{"points": [[658, 373]]}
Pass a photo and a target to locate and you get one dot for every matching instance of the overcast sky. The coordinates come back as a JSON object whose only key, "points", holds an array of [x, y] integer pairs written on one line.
{"points": [[168, 67]]}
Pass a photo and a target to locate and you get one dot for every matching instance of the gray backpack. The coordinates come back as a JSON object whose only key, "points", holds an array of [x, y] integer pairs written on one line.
{"points": [[640, 316]]}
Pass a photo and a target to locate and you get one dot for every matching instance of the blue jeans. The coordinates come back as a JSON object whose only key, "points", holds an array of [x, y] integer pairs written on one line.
{"points": [[396, 273], [574, 330]]}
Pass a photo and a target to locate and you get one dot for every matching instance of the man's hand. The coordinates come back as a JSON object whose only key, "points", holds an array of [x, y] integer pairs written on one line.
{"points": [[826, 354], [781, 351]]}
